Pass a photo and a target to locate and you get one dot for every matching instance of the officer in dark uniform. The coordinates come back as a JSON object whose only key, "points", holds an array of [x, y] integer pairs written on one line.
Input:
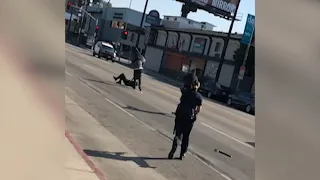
{"points": [[186, 114], [188, 80]]}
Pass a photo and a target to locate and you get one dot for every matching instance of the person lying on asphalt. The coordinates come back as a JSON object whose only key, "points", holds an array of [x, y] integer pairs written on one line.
{"points": [[122, 78]]}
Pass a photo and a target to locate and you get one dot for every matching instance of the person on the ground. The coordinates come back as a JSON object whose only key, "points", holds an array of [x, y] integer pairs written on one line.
{"points": [[138, 62], [186, 114], [123, 79]]}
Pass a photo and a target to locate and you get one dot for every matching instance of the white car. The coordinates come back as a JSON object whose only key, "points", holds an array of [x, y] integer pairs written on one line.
{"points": [[104, 49]]}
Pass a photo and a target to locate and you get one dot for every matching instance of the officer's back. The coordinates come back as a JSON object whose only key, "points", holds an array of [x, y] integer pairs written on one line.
{"points": [[188, 103]]}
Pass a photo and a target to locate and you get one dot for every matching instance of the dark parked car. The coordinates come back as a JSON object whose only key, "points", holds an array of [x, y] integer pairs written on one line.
{"points": [[244, 100], [213, 89]]}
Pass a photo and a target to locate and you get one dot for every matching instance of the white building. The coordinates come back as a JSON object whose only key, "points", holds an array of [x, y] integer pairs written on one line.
{"points": [[178, 22]]}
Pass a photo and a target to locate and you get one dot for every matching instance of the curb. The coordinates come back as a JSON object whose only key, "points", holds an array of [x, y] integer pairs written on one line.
{"points": [[85, 157]]}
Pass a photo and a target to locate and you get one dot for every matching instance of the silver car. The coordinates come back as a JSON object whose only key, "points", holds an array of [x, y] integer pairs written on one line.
{"points": [[104, 49]]}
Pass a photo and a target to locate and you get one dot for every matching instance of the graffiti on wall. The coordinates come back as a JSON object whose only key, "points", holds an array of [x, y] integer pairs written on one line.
{"points": [[211, 69]]}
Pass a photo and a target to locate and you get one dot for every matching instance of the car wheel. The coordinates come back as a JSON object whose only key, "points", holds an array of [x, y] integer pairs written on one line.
{"points": [[248, 108], [229, 102], [209, 94]]}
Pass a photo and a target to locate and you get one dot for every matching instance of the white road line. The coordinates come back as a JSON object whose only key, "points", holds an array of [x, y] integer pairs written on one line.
{"points": [[231, 137], [131, 115], [68, 73], [88, 66]]}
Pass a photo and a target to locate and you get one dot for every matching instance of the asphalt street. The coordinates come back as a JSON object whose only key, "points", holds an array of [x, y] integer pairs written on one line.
{"points": [[222, 141]]}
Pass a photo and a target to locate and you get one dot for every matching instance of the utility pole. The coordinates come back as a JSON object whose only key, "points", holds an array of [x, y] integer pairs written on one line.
{"points": [[141, 23], [226, 42], [82, 19], [245, 59]]}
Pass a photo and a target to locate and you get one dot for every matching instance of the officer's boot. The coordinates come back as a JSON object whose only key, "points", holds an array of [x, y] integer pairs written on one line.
{"points": [[174, 147]]}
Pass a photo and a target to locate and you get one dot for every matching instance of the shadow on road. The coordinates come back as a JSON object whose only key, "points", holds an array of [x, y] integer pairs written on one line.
{"points": [[145, 111], [103, 82], [141, 161]]}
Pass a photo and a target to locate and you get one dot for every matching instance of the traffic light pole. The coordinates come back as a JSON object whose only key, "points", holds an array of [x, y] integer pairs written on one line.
{"points": [[245, 59], [82, 19], [225, 46], [141, 23], [70, 19]]}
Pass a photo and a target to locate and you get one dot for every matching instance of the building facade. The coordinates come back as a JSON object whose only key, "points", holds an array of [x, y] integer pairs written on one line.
{"points": [[174, 52], [113, 21]]}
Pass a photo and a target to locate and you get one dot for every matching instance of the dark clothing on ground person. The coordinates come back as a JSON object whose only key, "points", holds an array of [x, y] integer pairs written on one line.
{"points": [[122, 78], [185, 117]]}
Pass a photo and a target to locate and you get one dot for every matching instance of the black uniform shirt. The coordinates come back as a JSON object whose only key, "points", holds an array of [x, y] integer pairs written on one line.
{"points": [[190, 79], [189, 101]]}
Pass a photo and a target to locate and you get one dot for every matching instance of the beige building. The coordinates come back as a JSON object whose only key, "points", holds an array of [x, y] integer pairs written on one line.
{"points": [[174, 52]]}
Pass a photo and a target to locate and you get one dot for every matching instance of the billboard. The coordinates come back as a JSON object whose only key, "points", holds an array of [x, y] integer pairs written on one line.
{"points": [[248, 30], [224, 8]]}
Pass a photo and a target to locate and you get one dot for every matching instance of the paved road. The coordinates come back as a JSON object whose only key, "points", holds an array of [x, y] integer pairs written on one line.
{"points": [[146, 123]]}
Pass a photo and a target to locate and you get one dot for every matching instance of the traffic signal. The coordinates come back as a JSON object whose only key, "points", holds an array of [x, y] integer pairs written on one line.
{"points": [[97, 29], [124, 35], [69, 5]]}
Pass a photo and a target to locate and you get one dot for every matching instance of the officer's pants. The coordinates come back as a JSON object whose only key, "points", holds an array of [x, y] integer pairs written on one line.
{"points": [[182, 132]]}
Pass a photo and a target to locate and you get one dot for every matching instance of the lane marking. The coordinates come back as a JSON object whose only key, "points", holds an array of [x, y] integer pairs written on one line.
{"points": [[88, 66], [152, 129], [68, 73], [231, 137]]}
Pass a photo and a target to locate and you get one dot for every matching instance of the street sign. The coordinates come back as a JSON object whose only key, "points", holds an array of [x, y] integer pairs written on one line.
{"points": [[153, 17], [248, 30], [242, 72]]}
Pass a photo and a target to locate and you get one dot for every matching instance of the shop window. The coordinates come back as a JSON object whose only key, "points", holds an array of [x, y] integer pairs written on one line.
{"points": [[217, 48]]}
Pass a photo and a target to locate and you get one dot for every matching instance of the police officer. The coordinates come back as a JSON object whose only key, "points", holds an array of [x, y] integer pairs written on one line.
{"points": [[186, 114], [188, 80]]}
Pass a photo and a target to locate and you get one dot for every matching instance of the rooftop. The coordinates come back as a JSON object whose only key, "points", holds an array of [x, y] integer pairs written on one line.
{"points": [[201, 32]]}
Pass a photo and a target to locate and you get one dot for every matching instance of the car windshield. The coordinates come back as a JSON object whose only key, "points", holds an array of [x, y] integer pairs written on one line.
{"points": [[108, 48]]}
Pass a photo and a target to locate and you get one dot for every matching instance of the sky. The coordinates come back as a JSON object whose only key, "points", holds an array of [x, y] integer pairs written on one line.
{"points": [[173, 8]]}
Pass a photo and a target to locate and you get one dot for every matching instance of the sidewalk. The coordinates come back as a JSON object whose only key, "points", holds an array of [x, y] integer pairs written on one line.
{"points": [[115, 159], [76, 167]]}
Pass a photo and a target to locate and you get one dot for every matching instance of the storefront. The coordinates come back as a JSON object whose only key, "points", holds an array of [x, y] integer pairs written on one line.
{"points": [[176, 65]]}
